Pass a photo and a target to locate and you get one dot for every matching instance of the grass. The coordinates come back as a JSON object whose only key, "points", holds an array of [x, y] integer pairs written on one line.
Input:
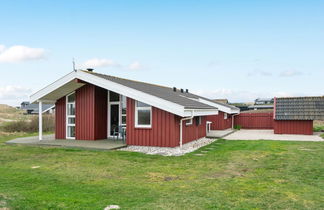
{"points": [[231, 175], [318, 126]]}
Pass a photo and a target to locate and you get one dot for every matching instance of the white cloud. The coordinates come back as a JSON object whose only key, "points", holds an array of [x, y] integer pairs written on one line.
{"points": [[240, 95], [19, 53], [259, 73], [135, 65], [290, 73], [13, 95], [97, 62]]}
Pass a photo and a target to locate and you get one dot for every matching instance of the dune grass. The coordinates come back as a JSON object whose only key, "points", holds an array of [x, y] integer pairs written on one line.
{"points": [[230, 175]]}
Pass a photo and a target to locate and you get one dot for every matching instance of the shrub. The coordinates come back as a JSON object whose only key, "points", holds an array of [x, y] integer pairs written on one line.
{"points": [[29, 126], [318, 128], [322, 135], [237, 127]]}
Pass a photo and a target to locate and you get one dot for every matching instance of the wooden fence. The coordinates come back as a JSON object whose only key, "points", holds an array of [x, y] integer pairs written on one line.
{"points": [[255, 120]]}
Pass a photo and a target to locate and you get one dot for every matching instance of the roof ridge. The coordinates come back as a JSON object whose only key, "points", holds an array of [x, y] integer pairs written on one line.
{"points": [[132, 80]]}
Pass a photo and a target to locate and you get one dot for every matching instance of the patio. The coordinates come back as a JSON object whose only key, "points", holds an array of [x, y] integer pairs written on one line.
{"points": [[49, 140]]}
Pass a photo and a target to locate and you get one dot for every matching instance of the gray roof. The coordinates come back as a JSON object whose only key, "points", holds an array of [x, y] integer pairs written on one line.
{"points": [[34, 107], [163, 92], [299, 108]]}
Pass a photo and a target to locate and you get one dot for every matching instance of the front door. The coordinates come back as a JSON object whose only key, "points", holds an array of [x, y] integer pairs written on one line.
{"points": [[114, 119]]}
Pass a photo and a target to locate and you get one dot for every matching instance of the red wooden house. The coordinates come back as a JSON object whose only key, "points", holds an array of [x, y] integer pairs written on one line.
{"points": [[92, 106]]}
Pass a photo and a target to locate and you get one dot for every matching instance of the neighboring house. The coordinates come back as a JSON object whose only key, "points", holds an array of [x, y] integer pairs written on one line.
{"points": [[263, 101], [221, 100], [225, 118], [260, 106], [91, 106], [295, 115], [33, 108]]}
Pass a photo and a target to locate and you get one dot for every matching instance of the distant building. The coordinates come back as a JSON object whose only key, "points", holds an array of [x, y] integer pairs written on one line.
{"points": [[262, 101], [33, 108], [221, 100]]}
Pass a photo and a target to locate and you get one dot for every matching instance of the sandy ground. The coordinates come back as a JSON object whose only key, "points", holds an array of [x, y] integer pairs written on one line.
{"points": [[247, 134]]}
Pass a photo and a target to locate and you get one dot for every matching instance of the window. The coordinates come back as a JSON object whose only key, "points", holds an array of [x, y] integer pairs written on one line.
{"points": [[143, 115], [199, 120], [189, 122], [113, 96], [123, 110], [225, 116], [70, 116]]}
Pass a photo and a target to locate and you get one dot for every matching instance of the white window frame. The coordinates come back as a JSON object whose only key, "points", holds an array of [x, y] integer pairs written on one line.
{"points": [[121, 110], [225, 116], [136, 116], [69, 116], [189, 122]]}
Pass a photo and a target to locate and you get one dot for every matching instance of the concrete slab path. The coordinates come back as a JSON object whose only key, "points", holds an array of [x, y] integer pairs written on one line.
{"points": [[49, 140], [247, 134], [219, 133]]}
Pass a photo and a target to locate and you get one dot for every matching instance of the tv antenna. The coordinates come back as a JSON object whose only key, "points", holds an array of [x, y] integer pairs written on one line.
{"points": [[73, 63]]}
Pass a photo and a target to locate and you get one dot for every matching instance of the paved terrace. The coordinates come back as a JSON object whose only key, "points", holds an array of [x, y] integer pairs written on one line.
{"points": [[49, 140]]}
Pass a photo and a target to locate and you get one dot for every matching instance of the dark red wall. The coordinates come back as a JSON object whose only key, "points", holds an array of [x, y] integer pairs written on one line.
{"points": [[91, 113], [254, 120], [218, 121], [60, 117], [192, 132], [304, 127], [165, 130]]}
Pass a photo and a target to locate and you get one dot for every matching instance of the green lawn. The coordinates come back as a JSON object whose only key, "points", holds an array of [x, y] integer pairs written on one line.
{"points": [[232, 175]]}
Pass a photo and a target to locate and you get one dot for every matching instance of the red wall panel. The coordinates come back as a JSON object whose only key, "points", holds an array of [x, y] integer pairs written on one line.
{"points": [[60, 117], [254, 120], [165, 130], [91, 113], [218, 121], [304, 127]]}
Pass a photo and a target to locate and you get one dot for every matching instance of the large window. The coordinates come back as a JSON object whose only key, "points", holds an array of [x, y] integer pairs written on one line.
{"points": [[143, 115], [70, 116]]}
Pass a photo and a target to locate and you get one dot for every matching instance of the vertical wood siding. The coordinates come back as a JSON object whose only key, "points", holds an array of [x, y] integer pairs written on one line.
{"points": [[60, 117], [218, 121], [194, 131], [304, 127], [165, 131], [254, 120], [91, 113], [101, 109]]}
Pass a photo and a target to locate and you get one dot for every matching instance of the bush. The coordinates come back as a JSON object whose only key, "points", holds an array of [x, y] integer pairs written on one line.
{"points": [[237, 127], [318, 128], [30, 126], [322, 135]]}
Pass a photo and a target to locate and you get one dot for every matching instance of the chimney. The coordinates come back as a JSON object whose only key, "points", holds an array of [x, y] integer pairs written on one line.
{"points": [[187, 91], [90, 69], [181, 90], [174, 89]]}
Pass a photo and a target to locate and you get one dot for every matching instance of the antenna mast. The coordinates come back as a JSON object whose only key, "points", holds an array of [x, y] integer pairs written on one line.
{"points": [[73, 63]]}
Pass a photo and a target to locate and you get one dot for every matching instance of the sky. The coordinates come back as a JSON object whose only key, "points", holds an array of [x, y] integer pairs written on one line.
{"points": [[239, 50]]}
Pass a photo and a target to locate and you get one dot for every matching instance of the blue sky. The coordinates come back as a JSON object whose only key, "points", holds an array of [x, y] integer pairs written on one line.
{"points": [[238, 50]]}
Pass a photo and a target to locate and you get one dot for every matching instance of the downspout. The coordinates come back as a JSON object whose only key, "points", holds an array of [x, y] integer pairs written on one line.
{"points": [[233, 119], [181, 120]]}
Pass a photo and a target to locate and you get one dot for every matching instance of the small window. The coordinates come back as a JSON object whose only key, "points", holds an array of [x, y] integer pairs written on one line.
{"points": [[143, 115], [199, 120], [71, 98], [113, 96], [189, 122], [225, 116]]}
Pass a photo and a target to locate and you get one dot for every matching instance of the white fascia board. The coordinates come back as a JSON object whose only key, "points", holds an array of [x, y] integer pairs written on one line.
{"points": [[50, 88], [132, 93], [220, 107], [200, 112]]}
